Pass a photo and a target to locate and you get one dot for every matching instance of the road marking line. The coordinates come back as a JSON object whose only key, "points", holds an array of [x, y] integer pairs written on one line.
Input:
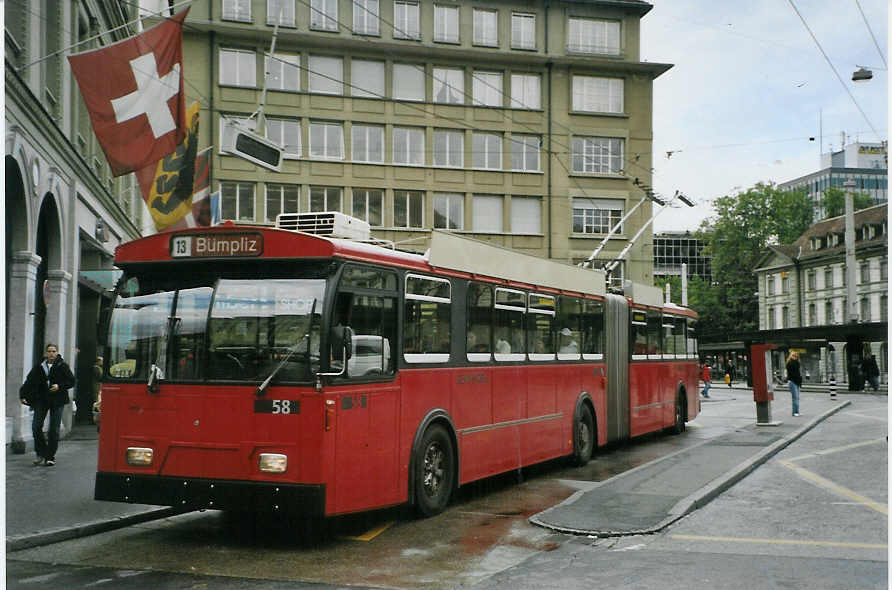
{"points": [[826, 483], [371, 534], [782, 541], [880, 418], [838, 449]]}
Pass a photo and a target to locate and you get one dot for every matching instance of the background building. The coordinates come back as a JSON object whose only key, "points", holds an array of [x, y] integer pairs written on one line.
{"points": [[674, 248], [802, 285], [521, 123], [64, 212], [865, 163]]}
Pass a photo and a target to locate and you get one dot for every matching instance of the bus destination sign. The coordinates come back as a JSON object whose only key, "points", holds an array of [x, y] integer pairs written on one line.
{"points": [[221, 245]]}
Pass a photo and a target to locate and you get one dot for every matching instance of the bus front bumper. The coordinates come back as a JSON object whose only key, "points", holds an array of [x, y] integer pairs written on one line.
{"points": [[191, 493]]}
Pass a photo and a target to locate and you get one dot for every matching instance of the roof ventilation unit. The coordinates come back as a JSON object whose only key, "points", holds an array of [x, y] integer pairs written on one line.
{"points": [[332, 224]]}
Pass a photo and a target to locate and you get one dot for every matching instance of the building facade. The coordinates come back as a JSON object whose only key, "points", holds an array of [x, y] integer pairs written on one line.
{"points": [[520, 123], [64, 212], [803, 285], [864, 163], [672, 249]]}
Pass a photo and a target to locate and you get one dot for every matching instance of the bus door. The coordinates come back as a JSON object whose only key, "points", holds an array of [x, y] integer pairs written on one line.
{"points": [[367, 395], [617, 355]]}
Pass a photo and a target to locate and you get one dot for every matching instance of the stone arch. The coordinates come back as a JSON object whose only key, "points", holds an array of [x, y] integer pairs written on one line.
{"points": [[48, 245]]}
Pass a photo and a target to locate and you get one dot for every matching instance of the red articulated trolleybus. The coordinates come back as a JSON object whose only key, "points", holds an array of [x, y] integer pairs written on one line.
{"points": [[280, 370]]}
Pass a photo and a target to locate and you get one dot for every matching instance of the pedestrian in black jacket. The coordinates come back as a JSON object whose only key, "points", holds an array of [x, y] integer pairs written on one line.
{"points": [[46, 391]]}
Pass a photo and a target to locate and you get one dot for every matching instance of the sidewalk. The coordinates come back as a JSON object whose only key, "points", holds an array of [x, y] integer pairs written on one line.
{"points": [[648, 498], [50, 504]]}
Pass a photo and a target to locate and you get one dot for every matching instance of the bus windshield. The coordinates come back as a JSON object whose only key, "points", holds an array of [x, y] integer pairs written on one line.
{"points": [[227, 330]]}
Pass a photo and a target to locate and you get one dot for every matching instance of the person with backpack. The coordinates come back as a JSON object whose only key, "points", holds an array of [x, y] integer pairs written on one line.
{"points": [[45, 390]]}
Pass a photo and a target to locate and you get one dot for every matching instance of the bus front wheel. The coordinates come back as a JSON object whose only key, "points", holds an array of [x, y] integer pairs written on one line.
{"points": [[434, 471], [583, 436]]}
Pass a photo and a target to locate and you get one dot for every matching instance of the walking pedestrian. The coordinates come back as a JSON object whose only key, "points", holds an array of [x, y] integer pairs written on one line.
{"points": [[794, 378], [46, 391], [706, 376], [871, 371]]}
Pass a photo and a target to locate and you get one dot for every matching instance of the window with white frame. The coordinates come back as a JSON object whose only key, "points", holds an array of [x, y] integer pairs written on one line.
{"points": [[593, 94], [486, 213], [865, 309], [281, 11], [281, 198], [884, 270], [237, 10], [884, 308], [286, 133], [590, 35], [324, 15], [785, 284], [785, 317], [446, 24], [406, 20], [408, 209], [282, 72], [237, 201], [487, 89], [812, 314], [449, 211], [487, 151], [526, 215], [408, 146], [326, 74], [326, 140], [449, 85], [596, 216], [525, 93], [368, 205], [597, 155], [365, 17], [367, 78], [865, 272], [242, 122], [408, 82], [449, 148], [771, 317], [238, 68], [325, 198], [367, 143], [828, 278], [523, 30], [525, 152], [828, 312], [812, 280], [769, 284], [486, 27]]}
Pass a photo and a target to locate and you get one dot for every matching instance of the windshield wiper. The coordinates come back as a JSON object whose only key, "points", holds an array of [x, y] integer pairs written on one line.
{"points": [[261, 389]]}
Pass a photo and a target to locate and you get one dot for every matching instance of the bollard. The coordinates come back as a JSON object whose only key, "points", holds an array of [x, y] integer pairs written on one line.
{"points": [[832, 387]]}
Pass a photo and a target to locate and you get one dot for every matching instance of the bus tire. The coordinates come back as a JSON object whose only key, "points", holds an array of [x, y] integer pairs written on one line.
{"points": [[680, 414], [434, 471], [583, 436]]}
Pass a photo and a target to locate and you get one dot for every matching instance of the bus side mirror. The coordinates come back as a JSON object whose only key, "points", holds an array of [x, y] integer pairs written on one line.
{"points": [[341, 343]]}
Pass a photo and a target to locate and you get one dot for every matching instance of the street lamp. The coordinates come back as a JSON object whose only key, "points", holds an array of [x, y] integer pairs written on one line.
{"points": [[864, 73]]}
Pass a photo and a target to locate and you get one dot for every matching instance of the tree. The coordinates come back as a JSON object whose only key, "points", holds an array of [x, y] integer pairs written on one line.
{"points": [[736, 238], [834, 202]]}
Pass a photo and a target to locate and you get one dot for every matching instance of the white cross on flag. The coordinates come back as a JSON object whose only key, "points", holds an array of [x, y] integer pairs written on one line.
{"points": [[133, 90]]}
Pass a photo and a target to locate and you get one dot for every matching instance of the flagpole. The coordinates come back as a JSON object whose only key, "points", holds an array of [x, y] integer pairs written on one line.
{"points": [[98, 35]]}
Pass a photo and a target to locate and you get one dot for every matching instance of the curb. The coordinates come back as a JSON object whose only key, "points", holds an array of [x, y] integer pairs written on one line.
{"points": [[84, 530], [699, 498]]}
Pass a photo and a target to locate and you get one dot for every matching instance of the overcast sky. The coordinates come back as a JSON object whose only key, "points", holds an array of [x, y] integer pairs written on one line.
{"points": [[747, 90]]}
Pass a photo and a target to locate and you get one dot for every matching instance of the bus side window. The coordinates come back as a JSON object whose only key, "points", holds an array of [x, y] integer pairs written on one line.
{"points": [[510, 344], [668, 337], [638, 338], [540, 329], [426, 327], [569, 336], [654, 334], [592, 329], [479, 329], [362, 305], [680, 340]]}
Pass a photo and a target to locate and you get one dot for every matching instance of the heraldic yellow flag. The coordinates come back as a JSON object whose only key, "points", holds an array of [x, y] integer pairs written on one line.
{"points": [[167, 186]]}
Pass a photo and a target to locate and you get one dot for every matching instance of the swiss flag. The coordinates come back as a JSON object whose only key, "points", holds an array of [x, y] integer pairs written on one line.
{"points": [[133, 90]]}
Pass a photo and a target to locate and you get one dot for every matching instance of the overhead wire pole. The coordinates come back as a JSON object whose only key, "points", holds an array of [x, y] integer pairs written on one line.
{"points": [[613, 264], [648, 195]]}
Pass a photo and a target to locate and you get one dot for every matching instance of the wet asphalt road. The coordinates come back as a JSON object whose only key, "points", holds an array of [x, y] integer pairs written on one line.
{"points": [[484, 538]]}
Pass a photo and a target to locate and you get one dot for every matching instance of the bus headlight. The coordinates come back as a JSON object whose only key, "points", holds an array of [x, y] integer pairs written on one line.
{"points": [[273, 462], [139, 456]]}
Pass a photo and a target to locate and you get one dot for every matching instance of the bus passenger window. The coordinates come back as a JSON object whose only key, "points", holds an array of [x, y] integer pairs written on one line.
{"points": [[654, 333], [540, 330], [679, 335], [639, 334], [668, 336], [426, 330], [567, 325], [509, 324], [592, 329], [479, 329]]}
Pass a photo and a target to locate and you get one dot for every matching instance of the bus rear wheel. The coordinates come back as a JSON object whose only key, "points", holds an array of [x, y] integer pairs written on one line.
{"points": [[680, 414], [583, 436], [434, 471]]}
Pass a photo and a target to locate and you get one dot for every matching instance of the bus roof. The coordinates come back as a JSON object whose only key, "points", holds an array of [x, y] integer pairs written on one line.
{"points": [[448, 251]]}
